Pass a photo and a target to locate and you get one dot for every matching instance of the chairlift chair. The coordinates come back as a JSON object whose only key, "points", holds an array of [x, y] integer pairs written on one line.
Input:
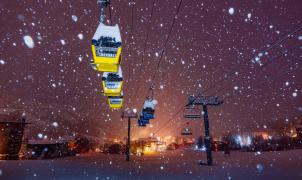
{"points": [[192, 112], [148, 113], [142, 122], [186, 131]]}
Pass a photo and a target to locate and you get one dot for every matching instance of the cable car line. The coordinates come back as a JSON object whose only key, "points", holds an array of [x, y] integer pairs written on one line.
{"points": [[148, 110], [168, 121], [130, 44], [231, 73], [166, 42], [265, 82], [272, 60], [164, 46], [144, 49]]}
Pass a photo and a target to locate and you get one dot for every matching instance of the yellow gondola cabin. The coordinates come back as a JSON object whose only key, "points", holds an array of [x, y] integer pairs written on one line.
{"points": [[115, 102], [106, 48]]}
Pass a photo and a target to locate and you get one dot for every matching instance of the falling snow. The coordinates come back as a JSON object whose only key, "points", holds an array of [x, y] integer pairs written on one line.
{"points": [[295, 94], [80, 36], [74, 18], [29, 42], [55, 124], [2, 62], [40, 135], [231, 10], [62, 41], [246, 54]]}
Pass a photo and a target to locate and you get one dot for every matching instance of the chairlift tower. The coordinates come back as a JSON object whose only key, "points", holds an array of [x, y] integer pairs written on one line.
{"points": [[129, 113], [204, 101]]}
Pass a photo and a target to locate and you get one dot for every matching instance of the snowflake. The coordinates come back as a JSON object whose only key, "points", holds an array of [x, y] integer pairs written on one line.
{"points": [[80, 36], [55, 124], [295, 94], [231, 10], [2, 62], [40, 135], [62, 41], [74, 18], [29, 42]]}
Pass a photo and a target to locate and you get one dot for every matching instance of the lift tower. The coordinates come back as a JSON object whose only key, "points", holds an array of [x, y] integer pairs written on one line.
{"points": [[203, 101], [129, 113]]}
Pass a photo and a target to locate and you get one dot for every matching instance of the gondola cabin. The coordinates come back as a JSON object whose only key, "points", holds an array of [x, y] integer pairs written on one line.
{"points": [[116, 102], [107, 48], [112, 83]]}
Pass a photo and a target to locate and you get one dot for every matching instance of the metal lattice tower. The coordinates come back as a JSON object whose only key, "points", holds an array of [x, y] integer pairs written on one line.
{"points": [[205, 101]]}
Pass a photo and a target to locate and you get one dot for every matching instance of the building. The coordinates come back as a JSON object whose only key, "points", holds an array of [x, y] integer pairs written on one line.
{"points": [[299, 130], [11, 134]]}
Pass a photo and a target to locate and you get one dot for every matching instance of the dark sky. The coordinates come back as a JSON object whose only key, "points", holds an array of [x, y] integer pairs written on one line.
{"points": [[209, 43]]}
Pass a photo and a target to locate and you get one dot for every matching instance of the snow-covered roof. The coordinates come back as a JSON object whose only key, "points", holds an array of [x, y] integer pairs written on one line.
{"points": [[150, 104], [119, 73], [107, 31]]}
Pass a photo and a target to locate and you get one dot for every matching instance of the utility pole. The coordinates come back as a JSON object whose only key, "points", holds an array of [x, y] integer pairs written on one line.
{"points": [[205, 101], [129, 113]]}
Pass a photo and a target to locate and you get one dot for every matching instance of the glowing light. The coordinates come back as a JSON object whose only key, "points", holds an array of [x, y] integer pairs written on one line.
{"points": [[243, 140]]}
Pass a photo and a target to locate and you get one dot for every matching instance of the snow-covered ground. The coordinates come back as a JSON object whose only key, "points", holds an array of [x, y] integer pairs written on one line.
{"points": [[181, 164]]}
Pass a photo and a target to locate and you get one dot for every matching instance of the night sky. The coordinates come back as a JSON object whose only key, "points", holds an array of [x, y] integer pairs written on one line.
{"points": [[238, 49]]}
